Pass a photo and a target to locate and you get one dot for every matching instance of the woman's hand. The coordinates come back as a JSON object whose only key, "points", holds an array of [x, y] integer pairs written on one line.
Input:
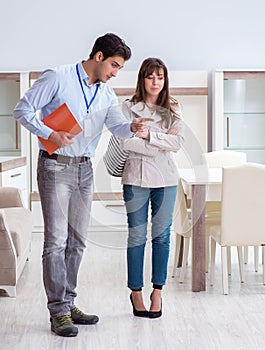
{"points": [[143, 135], [172, 131]]}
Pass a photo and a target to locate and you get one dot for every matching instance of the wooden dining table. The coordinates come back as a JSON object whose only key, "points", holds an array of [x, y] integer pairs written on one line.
{"points": [[197, 180]]}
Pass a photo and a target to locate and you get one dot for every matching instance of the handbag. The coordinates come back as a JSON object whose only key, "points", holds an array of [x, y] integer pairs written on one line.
{"points": [[115, 158]]}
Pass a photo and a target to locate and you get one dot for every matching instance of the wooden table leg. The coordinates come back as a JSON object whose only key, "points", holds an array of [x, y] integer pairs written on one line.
{"points": [[198, 238]]}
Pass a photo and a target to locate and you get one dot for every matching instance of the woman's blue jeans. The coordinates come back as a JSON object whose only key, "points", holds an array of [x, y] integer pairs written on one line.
{"points": [[137, 201]]}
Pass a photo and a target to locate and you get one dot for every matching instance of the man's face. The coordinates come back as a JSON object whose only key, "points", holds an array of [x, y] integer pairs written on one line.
{"points": [[106, 69]]}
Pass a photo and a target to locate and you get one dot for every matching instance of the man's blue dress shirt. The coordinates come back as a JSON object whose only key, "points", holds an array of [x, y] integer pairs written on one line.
{"points": [[61, 84]]}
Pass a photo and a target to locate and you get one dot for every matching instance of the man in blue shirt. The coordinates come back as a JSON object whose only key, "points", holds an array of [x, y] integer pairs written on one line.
{"points": [[65, 178]]}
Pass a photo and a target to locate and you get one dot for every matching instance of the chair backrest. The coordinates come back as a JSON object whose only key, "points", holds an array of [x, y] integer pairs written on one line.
{"points": [[243, 205], [219, 159]]}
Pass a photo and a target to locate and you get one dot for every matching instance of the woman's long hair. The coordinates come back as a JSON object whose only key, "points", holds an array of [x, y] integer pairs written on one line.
{"points": [[165, 101]]}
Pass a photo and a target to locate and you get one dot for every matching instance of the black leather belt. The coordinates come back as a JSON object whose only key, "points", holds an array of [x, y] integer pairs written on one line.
{"points": [[63, 159]]}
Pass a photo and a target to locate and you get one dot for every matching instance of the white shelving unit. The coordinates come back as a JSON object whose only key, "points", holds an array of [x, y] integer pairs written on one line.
{"points": [[14, 140]]}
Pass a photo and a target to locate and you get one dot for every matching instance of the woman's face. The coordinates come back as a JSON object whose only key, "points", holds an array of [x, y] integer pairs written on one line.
{"points": [[154, 83]]}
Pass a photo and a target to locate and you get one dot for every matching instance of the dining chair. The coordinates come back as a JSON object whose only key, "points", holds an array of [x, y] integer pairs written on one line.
{"points": [[182, 227], [219, 159], [242, 212], [215, 159]]}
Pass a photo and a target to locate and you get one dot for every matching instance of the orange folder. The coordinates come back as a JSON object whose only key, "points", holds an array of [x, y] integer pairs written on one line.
{"points": [[61, 119]]}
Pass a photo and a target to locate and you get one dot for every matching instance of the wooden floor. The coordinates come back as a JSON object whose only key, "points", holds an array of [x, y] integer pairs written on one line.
{"points": [[199, 321]]}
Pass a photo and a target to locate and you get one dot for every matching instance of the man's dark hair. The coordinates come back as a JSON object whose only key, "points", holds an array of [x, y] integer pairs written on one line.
{"points": [[111, 45]]}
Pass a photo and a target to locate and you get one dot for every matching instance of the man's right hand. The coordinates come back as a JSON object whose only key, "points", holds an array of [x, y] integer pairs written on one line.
{"points": [[61, 138], [139, 124]]}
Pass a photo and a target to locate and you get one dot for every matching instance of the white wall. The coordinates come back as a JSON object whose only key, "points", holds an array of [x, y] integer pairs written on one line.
{"points": [[187, 35]]}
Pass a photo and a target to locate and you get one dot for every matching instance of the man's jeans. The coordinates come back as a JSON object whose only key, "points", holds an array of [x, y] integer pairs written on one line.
{"points": [[137, 204], [66, 192]]}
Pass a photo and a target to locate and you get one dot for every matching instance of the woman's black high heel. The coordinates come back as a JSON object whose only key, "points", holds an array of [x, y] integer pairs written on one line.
{"points": [[138, 313], [155, 314]]}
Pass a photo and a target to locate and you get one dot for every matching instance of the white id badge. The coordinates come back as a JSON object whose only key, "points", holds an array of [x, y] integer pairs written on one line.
{"points": [[88, 127]]}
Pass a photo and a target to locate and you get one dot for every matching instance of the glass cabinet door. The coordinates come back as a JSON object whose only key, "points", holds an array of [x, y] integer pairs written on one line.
{"points": [[244, 115], [10, 141], [9, 134]]}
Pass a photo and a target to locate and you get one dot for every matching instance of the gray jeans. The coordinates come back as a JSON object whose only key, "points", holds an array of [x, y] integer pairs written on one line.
{"points": [[66, 192]]}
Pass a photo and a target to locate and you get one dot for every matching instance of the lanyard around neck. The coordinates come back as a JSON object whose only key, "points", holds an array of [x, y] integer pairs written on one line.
{"points": [[93, 97]]}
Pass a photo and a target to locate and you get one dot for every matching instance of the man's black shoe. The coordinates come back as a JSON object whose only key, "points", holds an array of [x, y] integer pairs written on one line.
{"points": [[79, 317], [63, 326]]}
